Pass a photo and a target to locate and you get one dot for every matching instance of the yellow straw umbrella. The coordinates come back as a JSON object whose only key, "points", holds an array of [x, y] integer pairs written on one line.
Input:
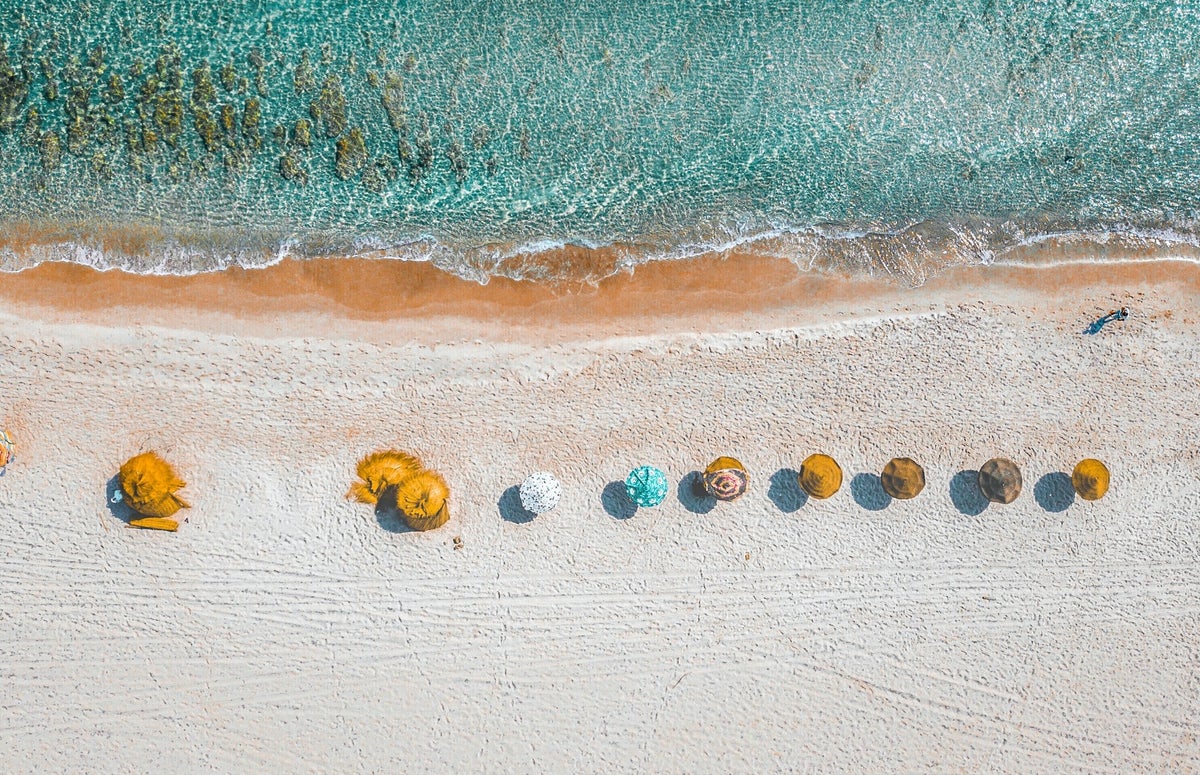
{"points": [[149, 485], [1090, 479], [421, 499], [381, 470], [820, 476], [902, 478]]}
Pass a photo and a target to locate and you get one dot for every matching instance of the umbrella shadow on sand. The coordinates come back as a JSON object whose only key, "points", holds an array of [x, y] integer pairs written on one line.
{"points": [[511, 509], [693, 496], [965, 492], [868, 492], [118, 508], [785, 491], [1054, 492], [616, 501], [387, 513]]}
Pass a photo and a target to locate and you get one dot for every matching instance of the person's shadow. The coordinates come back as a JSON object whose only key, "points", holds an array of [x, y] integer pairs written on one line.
{"points": [[868, 492], [616, 501], [1054, 492], [118, 508], [965, 492], [693, 496], [511, 509], [785, 491], [387, 513]]}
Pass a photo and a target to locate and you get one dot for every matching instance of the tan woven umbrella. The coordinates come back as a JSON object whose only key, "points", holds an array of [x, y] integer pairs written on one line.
{"points": [[1000, 480], [820, 476], [902, 478], [1090, 479], [421, 499]]}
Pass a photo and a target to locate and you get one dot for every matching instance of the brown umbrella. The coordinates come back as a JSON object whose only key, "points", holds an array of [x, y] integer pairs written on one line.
{"points": [[1000, 480], [902, 478], [820, 476], [726, 479], [1090, 479]]}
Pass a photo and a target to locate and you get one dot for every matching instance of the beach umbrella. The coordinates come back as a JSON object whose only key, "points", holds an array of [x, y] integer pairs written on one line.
{"points": [[8, 451], [902, 478], [381, 470], [726, 479], [820, 476], [1000, 480], [646, 486], [1090, 479], [150, 486], [540, 492], [421, 499]]}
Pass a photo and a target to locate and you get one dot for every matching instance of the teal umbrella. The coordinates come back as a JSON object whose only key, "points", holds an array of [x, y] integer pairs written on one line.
{"points": [[646, 485]]}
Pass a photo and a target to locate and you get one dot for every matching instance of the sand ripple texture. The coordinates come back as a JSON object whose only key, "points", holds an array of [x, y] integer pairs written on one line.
{"points": [[284, 628]]}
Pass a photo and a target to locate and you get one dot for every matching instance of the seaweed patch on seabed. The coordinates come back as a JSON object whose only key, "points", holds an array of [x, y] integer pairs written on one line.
{"points": [[138, 112]]}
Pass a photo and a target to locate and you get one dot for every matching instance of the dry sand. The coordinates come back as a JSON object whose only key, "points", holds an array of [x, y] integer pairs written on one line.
{"points": [[285, 629]]}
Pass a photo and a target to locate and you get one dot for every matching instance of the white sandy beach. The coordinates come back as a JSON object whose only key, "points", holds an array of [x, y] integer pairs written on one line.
{"points": [[285, 629]]}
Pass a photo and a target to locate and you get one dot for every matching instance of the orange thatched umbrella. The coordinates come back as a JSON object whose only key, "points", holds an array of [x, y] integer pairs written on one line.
{"points": [[902, 478], [1090, 479], [820, 476], [149, 485], [421, 499], [1000, 480], [726, 479], [381, 470]]}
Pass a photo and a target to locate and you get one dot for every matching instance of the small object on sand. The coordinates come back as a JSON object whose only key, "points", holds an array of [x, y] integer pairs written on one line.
{"points": [[726, 479], [1000, 480], [422, 498], [820, 476], [8, 451], [646, 486], [149, 485], [902, 478], [540, 492], [1090, 479], [155, 523]]}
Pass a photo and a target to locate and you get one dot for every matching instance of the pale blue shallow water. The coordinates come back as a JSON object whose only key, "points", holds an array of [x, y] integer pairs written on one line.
{"points": [[889, 137]]}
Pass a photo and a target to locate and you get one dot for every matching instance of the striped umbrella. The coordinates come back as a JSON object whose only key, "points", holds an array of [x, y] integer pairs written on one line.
{"points": [[726, 479], [646, 486]]}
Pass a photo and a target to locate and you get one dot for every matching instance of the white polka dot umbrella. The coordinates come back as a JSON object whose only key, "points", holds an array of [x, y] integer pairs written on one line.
{"points": [[540, 492]]}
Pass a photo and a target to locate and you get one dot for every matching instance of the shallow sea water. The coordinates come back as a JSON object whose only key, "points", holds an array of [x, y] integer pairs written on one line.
{"points": [[886, 137]]}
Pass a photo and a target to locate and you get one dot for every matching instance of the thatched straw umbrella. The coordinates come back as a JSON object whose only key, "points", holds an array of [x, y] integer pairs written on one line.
{"points": [[149, 485], [726, 479], [1000, 480], [902, 478], [820, 476], [1090, 479], [540, 492], [381, 470], [422, 498], [646, 486], [8, 451]]}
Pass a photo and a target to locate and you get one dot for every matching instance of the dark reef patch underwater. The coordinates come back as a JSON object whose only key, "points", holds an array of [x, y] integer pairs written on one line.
{"points": [[884, 137]]}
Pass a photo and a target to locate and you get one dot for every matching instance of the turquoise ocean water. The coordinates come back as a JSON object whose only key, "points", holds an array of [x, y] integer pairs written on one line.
{"points": [[884, 137]]}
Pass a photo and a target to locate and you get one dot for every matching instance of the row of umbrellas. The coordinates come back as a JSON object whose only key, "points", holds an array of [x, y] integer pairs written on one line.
{"points": [[149, 485], [725, 479]]}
